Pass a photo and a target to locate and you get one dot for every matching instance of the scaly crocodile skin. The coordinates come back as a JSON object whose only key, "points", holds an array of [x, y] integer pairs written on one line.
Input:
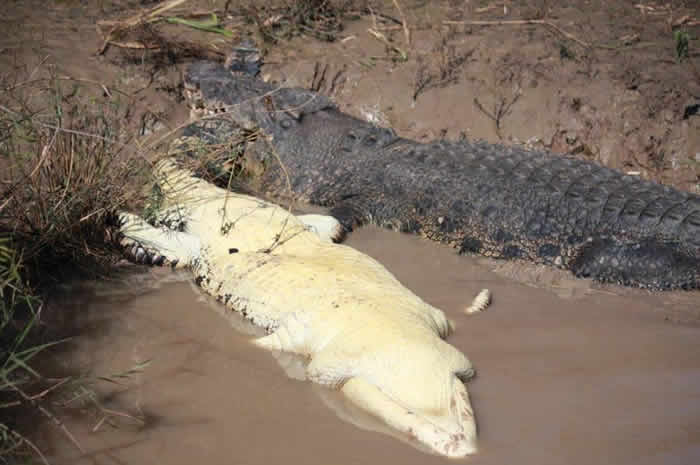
{"points": [[360, 330], [503, 202]]}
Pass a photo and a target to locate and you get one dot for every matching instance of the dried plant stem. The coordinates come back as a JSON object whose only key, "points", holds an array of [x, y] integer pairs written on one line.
{"points": [[406, 32], [521, 22]]}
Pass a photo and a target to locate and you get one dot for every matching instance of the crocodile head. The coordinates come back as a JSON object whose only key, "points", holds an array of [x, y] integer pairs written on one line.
{"points": [[247, 101]]}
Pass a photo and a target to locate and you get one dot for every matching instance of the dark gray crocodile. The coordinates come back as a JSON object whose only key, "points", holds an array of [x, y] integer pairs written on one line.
{"points": [[498, 201]]}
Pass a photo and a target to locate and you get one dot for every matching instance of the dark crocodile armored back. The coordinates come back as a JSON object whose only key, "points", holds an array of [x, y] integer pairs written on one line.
{"points": [[502, 202]]}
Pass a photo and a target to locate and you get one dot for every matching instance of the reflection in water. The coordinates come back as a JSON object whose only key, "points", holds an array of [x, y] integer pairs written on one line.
{"points": [[601, 378]]}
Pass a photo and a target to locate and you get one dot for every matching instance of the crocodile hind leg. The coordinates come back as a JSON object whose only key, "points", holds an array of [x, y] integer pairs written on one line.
{"points": [[328, 228], [367, 208], [157, 245], [626, 263], [290, 336], [348, 215]]}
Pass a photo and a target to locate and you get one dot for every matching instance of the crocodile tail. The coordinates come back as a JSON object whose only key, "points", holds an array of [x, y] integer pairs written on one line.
{"points": [[464, 441], [451, 432]]}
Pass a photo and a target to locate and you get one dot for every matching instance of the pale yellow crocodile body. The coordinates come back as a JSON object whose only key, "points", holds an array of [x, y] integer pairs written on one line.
{"points": [[361, 331]]}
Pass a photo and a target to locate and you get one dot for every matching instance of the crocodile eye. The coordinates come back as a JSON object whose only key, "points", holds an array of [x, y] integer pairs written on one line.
{"points": [[349, 143], [286, 123]]}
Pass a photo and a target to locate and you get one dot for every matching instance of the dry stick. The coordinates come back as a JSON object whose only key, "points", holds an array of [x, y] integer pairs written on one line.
{"points": [[17, 443], [494, 117], [382, 38], [278, 236], [520, 22], [31, 75], [70, 175], [134, 45], [117, 413], [44, 153], [46, 391], [31, 445], [379, 14], [374, 18], [500, 110], [4, 204], [50, 416], [388, 28], [406, 32]]}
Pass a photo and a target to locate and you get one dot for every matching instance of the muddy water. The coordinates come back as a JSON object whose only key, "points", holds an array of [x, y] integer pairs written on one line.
{"points": [[595, 377]]}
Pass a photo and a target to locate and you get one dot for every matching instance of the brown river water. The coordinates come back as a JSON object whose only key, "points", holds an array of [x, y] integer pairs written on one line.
{"points": [[568, 373]]}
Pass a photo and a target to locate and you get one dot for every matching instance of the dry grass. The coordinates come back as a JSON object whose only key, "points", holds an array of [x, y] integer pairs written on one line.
{"points": [[449, 64], [66, 171]]}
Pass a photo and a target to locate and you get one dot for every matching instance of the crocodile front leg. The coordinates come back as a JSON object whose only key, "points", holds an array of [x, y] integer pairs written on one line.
{"points": [[157, 245]]}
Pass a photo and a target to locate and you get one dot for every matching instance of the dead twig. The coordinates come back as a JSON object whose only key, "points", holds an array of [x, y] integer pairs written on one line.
{"points": [[652, 9], [33, 400], [133, 45], [501, 109], [388, 18], [449, 64], [23, 440], [319, 83], [382, 38], [108, 413], [406, 32], [60, 382], [521, 22]]}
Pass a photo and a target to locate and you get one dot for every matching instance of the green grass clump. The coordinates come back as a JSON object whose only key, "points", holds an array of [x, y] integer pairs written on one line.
{"points": [[19, 311], [682, 41]]}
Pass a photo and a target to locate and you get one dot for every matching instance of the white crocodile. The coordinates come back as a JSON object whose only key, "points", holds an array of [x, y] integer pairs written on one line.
{"points": [[359, 330]]}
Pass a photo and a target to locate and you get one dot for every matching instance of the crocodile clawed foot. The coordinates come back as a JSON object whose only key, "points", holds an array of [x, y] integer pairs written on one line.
{"points": [[480, 302], [137, 253], [148, 245], [326, 227]]}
